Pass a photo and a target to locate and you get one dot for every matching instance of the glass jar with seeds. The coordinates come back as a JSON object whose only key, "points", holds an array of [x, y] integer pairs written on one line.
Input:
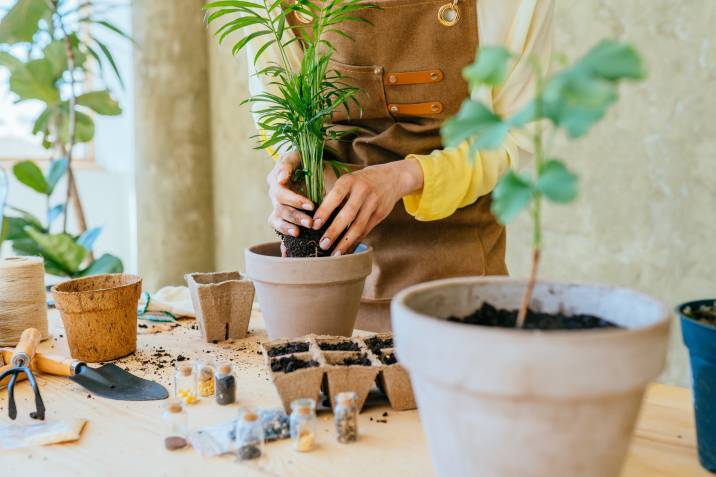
{"points": [[346, 417], [185, 382], [225, 384], [249, 435], [303, 424]]}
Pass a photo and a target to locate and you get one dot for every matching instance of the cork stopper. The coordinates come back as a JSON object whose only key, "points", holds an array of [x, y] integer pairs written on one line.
{"points": [[206, 373], [346, 398], [185, 370], [225, 369], [250, 416], [303, 407], [174, 407]]}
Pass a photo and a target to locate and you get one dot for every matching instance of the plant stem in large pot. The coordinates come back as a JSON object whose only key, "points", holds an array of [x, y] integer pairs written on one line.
{"points": [[508, 402]]}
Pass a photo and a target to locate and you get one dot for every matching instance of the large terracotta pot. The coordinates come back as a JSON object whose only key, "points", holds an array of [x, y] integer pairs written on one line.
{"points": [[100, 315], [300, 296], [510, 403]]}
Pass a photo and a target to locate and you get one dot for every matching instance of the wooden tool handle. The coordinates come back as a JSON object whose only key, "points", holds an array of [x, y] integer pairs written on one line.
{"points": [[55, 365], [25, 349]]}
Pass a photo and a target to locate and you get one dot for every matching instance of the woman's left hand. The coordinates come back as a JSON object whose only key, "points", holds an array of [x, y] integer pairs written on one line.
{"points": [[369, 195]]}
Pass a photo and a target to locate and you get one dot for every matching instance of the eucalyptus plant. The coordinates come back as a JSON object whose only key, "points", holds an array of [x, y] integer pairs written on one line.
{"points": [[51, 51], [572, 100], [297, 113]]}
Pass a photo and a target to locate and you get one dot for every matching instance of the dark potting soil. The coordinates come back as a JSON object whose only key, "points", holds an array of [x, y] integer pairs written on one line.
{"points": [[376, 344], [704, 314], [360, 360], [307, 242], [289, 364], [388, 358], [490, 316], [288, 348], [340, 346]]}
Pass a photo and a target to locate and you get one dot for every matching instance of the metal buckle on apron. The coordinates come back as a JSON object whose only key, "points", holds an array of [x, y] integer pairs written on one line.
{"points": [[449, 14]]}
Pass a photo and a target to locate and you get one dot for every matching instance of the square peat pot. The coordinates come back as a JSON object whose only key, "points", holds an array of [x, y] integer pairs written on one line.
{"points": [[700, 339]]}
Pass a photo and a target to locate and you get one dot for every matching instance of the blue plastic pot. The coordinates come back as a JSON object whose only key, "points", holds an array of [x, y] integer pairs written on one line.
{"points": [[700, 338]]}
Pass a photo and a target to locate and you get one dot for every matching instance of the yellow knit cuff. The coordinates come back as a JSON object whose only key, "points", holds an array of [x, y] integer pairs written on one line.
{"points": [[421, 204]]}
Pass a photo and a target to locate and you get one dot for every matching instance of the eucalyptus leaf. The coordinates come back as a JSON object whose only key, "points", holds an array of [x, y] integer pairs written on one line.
{"points": [[513, 194], [490, 68], [88, 238], [614, 61], [556, 182], [474, 121], [61, 248], [105, 264], [20, 23], [30, 174], [54, 213]]}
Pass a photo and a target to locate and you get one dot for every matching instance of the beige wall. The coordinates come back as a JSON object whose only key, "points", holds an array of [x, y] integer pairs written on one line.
{"points": [[646, 215]]}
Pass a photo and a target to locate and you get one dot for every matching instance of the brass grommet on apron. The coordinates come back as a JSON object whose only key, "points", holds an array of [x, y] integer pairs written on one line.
{"points": [[449, 14]]}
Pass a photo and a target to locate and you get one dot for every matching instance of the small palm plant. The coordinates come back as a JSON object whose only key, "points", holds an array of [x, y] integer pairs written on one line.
{"points": [[297, 113], [572, 100]]}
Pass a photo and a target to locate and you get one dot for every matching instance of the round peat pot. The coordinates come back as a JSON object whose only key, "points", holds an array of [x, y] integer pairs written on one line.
{"points": [[300, 296], [100, 315], [700, 338], [501, 402]]}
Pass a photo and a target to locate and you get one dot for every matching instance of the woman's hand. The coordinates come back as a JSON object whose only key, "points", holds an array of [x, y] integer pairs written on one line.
{"points": [[370, 195], [287, 204]]}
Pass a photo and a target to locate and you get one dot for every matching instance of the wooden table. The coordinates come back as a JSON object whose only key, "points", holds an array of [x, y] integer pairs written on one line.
{"points": [[124, 439]]}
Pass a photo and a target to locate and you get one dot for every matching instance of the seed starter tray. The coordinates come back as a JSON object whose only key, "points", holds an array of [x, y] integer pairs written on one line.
{"points": [[302, 367]]}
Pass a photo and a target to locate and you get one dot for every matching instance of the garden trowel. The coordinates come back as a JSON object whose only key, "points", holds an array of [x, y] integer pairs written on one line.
{"points": [[109, 381]]}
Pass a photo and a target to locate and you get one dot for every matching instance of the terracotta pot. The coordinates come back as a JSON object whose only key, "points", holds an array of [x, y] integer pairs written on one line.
{"points": [[100, 315], [301, 296], [222, 303], [510, 403]]}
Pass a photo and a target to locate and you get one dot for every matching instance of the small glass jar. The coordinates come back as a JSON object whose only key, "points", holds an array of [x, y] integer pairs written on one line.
{"points": [[225, 384], [205, 378], [174, 420], [249, 435], [346, 416], [185, 383], [303, 424]]}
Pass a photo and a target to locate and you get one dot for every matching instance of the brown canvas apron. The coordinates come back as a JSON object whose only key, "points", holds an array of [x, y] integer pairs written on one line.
{"points": [[408, 67]]}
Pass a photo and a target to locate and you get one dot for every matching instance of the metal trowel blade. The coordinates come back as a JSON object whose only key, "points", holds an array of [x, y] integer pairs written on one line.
{"points": [[112, 382]]}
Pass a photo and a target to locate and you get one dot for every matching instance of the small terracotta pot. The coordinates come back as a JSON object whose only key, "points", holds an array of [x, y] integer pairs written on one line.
{"points": [[301, 296], [504, 402], [100, 315]]}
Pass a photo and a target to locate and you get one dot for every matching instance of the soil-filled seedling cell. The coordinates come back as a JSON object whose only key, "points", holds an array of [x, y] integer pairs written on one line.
{"points": [[488, 315], [333, 344], [341, 358], [292, 363], [379, 342], [287, 348]]}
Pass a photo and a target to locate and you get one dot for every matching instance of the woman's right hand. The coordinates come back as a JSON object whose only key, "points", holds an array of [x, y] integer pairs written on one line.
{"points": [[287, 205]]}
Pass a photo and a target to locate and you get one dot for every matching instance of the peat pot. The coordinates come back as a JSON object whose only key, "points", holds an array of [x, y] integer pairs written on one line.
{"points": [[315, 295], [700, 338], [511, 403], [100, 315]]}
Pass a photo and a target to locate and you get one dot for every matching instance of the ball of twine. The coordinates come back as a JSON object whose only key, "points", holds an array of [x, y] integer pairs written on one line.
{"points": [[22, 298]]}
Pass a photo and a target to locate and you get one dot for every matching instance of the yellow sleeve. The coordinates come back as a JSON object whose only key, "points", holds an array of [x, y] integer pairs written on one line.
{"points": [[452, 179]]}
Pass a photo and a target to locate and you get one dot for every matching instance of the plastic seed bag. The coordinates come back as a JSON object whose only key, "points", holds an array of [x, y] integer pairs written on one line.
{"points": [[45, 433]]}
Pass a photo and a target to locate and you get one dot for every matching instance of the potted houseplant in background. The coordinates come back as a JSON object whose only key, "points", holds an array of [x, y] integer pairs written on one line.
{"points": [[308, 291], [51, 52], [50, 57], [497, 395], [698, 325]]}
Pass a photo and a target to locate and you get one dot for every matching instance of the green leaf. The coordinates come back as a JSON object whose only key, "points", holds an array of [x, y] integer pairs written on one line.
{"points": [[556, 182], [61, 249], [9, 61], [101, 102], [614, 61], [513, 194], [26, 246], [490, 67], [34, 80], [42, 121], [84, 125], [21, 23], [28, 173], [56, 171], [105, 264], [475, 121]]}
